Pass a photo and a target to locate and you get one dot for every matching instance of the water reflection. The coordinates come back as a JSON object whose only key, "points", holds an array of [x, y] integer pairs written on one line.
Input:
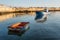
{"points": [[40, 17], [49, 30], [17, 32], [12, 15]]}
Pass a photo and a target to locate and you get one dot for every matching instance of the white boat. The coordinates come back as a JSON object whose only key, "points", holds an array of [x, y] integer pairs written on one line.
{"points": [[41, 16]]}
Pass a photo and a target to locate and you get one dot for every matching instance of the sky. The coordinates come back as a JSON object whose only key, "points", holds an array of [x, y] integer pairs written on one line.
{"points": [[31, 3]]}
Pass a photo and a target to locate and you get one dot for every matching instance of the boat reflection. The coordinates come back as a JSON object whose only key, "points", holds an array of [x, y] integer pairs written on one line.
{"points": [[17, 32], [40, 17]]}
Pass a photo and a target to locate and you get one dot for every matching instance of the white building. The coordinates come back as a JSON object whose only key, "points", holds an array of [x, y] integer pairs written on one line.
{"points": [[4, 8]]}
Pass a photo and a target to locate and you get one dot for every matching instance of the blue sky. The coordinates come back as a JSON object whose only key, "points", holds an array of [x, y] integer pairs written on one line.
{"points": [[31, 3]]}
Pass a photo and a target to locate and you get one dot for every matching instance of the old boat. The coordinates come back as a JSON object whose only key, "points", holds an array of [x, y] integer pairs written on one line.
{"points": [[21, 26]]}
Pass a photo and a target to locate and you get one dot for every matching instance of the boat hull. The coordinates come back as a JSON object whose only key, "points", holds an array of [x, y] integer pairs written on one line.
{"points": [[20, 28]]}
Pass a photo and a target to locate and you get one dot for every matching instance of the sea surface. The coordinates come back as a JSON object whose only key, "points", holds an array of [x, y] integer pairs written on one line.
{"points": [[46, 29]]}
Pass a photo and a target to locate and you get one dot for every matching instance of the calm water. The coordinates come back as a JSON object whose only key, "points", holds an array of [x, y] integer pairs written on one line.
{"points": [[48, 29]]}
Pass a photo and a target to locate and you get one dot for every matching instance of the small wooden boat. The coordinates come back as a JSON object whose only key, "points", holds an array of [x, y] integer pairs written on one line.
{"points": [[21, 26], [18, 33]]}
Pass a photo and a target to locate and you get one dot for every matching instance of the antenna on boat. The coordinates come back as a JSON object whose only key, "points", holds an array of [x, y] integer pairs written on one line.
{"points": [[46, 10]]}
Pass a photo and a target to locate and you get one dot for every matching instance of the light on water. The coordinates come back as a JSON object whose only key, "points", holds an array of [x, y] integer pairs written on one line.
{"points": [[41, 28]]}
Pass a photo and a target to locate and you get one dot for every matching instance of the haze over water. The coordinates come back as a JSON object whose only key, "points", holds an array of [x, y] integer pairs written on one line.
{"points": [[31, 3]]}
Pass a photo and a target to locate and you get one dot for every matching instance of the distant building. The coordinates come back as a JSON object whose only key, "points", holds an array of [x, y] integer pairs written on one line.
{"points": [[4, 8]]}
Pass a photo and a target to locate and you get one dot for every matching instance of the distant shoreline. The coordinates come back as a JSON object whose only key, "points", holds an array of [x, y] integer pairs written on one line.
{"points": [[8, 9]]}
